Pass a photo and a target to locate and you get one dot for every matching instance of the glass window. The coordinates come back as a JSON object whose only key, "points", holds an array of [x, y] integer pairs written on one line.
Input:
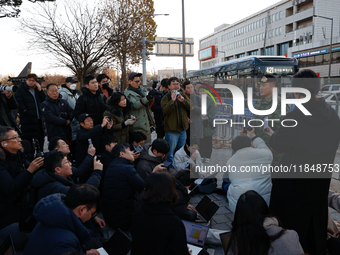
{"points": [[302, 62], [310, 61], [257, 24], [263, 22], [280, 30], [263, 34], [318, 60], [326, 59], [335, 87], [270, 34], [325, 88], [280, 15], [336, 57], [276, 31], [273, 18], [257, 38], [277, 16], [260, 37]]}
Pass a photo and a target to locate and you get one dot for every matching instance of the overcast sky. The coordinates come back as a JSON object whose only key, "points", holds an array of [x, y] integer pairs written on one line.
{"points": [[201, 17]]}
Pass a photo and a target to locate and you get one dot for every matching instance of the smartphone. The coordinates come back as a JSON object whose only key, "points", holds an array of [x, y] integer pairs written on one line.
{"points": [[166, 163], [265, 125], [139, 148], [176, 92], [90, 141], [109, 118]]}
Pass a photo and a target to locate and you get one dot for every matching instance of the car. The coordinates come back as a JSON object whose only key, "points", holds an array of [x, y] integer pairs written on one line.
{"points": [[333, 88], [331, 100]]}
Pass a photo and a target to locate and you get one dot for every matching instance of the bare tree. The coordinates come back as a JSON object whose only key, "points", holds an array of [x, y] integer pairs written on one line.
{"points": [[11, 8], [75, 34], [126, 24]]}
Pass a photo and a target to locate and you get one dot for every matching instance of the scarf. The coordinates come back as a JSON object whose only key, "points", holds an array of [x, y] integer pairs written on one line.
{"points": [[138, 91]]}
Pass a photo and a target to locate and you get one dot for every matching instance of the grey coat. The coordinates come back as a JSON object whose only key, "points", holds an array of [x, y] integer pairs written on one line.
{"points": [[196, 126]]}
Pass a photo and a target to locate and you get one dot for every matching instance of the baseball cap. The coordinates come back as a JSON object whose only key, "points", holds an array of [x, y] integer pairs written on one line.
{"points": [[133, 75], [70, 79], [83, 116]]}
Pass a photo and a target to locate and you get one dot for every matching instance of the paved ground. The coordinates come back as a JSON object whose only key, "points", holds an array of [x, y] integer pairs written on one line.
{"points": [[223, 217]]}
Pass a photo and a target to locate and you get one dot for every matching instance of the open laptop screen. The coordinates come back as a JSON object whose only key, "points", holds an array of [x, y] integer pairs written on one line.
{"points": [[195, 233]]}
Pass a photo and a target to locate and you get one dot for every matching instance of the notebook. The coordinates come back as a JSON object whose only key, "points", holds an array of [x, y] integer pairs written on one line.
{"points": [[118, 244], [196, 235], [206, 209]]}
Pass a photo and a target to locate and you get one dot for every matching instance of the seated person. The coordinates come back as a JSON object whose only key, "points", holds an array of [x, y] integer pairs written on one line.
{"points": [[151, 156], [138, 141], [248, 153], [182, 208], [156, 229], [15, 176], [106, 158], [254, 228], [333, 227], [188, 157], [88, 131], [120, 185], [60, 219]]}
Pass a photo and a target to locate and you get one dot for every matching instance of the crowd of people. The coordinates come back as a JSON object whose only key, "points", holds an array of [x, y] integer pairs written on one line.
{"points": [[101, 158]]}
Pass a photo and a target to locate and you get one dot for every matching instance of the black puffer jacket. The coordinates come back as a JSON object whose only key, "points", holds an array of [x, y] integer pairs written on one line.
{"points": [[56, 114], [9, 104], [28, 110], [147, 162], [92, 104], [14, 178]]}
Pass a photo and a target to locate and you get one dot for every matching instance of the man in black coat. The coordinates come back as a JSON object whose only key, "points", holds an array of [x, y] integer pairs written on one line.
{"points": [[299, 197], [104, 82], [151, 156], [157, 109], [15, 174], [91, 101], [106, 157], [120, 185], [29, 97], [8, 103], [58, 114]]}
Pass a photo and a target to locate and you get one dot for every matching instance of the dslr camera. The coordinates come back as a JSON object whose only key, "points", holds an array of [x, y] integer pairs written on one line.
{"points": [[38, 152], [9, 88]]}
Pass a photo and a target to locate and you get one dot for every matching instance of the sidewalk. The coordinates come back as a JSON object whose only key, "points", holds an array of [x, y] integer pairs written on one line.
{"points": [[223, 218]]}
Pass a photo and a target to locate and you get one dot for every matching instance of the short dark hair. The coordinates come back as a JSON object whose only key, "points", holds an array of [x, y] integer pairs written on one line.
{"points": [[120, 147], [184, 85], [88, 78], [53, 159], [191, 140], [160, 145], [183, 177], [110, 139], [32, 75], [51, 84], [160, 189], [172, 79], [54, 143], [310, 81], [240, 142], [3, 132], [138, 136], [102, 76], [164, 83], [83, 194]]}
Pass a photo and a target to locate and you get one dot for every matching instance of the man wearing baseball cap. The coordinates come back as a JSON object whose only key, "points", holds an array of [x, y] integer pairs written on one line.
{"points": [[140, 104]]}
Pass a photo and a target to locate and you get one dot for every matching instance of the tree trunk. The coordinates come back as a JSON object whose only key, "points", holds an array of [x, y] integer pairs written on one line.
{"points": [[123, 67]]}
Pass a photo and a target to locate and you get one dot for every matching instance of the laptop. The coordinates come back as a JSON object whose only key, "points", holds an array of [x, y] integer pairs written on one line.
{"points": [[118, 244], [196, 235], [7, 247], [206, 209], [225, 238]]}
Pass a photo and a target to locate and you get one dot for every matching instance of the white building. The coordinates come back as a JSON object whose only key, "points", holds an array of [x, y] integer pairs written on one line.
{"points": [[287, 28]]}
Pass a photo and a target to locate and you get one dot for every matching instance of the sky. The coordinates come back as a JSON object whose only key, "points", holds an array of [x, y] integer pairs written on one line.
{"points": [[201, 17]]}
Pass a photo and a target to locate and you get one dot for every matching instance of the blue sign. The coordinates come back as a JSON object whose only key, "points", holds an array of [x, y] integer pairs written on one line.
{"points": [[311, 53]]}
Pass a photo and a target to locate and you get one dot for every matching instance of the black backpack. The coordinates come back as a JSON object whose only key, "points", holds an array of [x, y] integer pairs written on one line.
{"points": [[27, 222]]}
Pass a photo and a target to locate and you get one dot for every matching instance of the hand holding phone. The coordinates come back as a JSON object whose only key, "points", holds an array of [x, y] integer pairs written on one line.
{"points": [[90, 141], [265, 125], [166, 164]]}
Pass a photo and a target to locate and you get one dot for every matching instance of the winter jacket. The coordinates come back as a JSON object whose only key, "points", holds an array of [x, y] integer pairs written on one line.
{"points": [[92, 104], [195, 115], [158, 114], [287, 244], [109, 90], [157, 230], [118, 195], [140, 109], [8, 104], [14, 178], [49, 183], [106, 160], [301, 203], [257, 157], [28, 110], [56, 114], [180, 208], [119, 116], [71, 97], [183, 162], [147, 162], [175, 113], [58, 230]]}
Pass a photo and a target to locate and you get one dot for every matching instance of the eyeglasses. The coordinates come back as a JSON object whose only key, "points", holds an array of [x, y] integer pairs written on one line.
{"points": [[18, 138], [137, 81], [68, 162]]}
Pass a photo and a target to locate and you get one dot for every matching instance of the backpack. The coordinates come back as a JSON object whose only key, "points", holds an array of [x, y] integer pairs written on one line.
{"points": [[29, 199], [208, 185]]}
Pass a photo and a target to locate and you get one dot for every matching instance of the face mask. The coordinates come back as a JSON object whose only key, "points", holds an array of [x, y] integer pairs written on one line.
{"points": [[73, 86]]}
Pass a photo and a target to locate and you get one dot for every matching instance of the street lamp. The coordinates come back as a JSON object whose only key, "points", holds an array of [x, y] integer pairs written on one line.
{"points": [[184, 55], [221, 52], [330, 51], [144, 44]]}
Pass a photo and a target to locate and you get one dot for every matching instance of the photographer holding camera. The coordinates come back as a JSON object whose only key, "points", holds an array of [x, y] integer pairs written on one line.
{"points": [[15, 174], [58, 114]]}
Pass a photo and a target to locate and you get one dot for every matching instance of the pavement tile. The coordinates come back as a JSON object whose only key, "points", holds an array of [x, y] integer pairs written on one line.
{"points": [[221, 218], [221, 226], [222, 210]]}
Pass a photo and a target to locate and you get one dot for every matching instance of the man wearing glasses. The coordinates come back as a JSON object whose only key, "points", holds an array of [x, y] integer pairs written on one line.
{"points": [[140, 105], [15, 174], [29, 97]]}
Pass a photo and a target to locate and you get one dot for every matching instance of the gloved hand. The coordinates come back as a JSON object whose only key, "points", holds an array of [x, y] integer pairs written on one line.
{"points": [[129, 122]]}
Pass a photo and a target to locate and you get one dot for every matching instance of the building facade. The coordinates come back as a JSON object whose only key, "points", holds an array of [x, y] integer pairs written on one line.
{"points": [[289, 28]]}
